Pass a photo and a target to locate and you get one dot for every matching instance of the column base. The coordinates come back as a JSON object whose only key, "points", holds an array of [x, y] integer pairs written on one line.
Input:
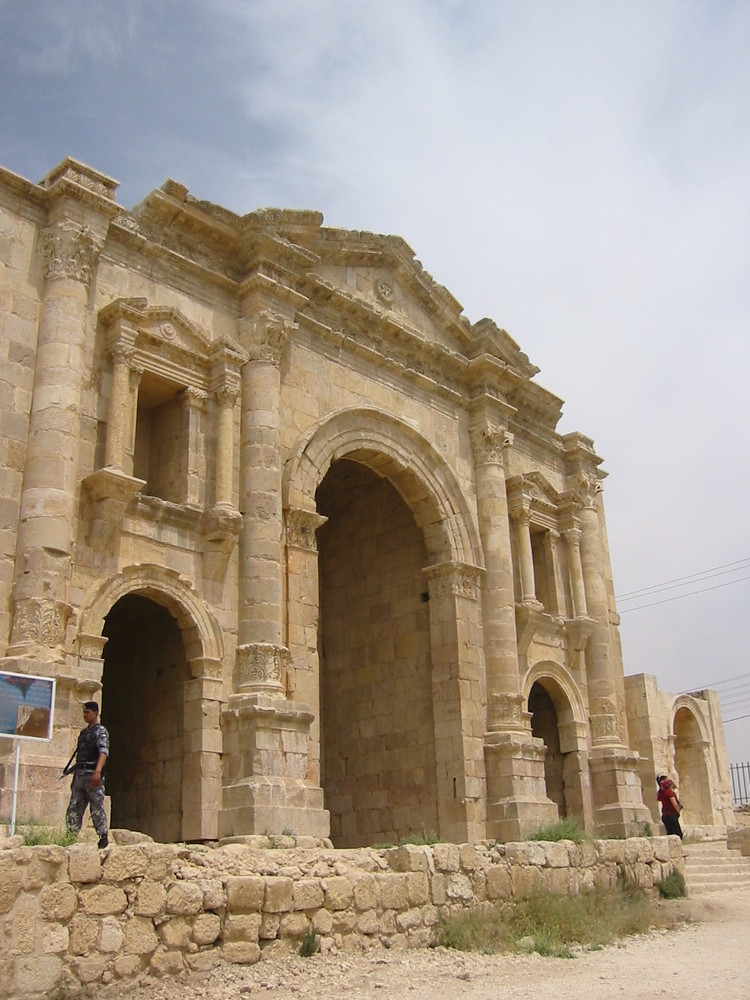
{"points": [[517, 801], [265, 804], [616, 788]]}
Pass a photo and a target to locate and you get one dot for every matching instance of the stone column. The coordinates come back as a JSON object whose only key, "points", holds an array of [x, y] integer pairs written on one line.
{"points": [[226, 398], [551, 538], [119, 420], [193, 402], [514, 760], [49, 495], [525, 556], [573, 540], [615, 782]]}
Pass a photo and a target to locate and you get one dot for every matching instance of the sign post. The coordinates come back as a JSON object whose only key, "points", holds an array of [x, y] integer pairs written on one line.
{"points": [[27, 707]]}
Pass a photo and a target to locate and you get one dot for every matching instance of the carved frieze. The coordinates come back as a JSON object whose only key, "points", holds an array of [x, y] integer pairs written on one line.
{"points": [[69, 252]]}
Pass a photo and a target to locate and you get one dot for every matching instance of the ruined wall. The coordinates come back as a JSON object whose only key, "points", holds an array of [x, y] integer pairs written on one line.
{"points": [[75, 916]]}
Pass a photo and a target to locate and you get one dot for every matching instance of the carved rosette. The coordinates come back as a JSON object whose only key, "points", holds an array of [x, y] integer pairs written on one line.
{"points": [[301, 526], [457, 579], [488, 442], [266, 338], [69, 252], [261, 666], [41, 623]]}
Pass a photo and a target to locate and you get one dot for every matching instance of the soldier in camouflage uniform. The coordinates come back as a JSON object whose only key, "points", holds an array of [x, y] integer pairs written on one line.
{"points": [[88, 785]]}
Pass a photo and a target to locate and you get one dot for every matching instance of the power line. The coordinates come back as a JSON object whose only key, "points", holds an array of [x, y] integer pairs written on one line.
{"points": [[690, 576], [679, 597], [650, 591], [737, 718]]}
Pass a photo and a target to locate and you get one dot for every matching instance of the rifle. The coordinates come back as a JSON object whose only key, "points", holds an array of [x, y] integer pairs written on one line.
{"points": [[70, 766]]}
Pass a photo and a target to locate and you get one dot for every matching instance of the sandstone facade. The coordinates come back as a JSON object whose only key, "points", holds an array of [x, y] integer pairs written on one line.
{"points": [[76, 918], [310, 536]]}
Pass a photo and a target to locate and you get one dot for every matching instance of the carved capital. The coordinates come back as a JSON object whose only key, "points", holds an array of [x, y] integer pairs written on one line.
{"points": [[458, 579], [192, 398], [69, 251], [585, 488], [39, 623], [261, 667], [266, 336], [301, 526], [506, 712], [573, 537], [488, 442], [226, 395]]}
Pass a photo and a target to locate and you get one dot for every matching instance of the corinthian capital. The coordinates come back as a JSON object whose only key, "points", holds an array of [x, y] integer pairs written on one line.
{"points": [[488, 441], [586, 486], [266, 336], [69, 251]]}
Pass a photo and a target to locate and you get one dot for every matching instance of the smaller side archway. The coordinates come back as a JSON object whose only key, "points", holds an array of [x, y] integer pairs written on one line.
{"points": [[691, 746], [158, 651], [558, 719]]}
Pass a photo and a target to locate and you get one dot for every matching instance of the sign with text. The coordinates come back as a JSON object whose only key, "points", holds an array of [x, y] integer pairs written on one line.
{"points": [[27, 705]]}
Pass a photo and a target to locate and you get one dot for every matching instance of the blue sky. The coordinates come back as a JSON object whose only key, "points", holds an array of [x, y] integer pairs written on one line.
{"points": [[578, 171]]}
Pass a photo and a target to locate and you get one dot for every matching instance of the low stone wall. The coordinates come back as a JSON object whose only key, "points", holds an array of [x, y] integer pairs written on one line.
{"points": [[76, 917]]}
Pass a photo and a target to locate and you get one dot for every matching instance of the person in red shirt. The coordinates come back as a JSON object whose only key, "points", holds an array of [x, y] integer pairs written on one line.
{"points": [[670, 805]]}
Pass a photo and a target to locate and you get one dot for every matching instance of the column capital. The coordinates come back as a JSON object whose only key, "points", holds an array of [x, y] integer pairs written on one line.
{"points": [[69, 251], [459, 579], [586, 486], [301, 526], [488, 442], [227, 394], [266, 335]]}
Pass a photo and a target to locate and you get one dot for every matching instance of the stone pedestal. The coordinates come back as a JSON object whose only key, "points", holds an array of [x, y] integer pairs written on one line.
{"points": [[266, 785], [616, 787], [516, 797]]}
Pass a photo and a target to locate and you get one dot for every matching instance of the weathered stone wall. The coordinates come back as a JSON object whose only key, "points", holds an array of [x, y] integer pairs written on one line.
{"points": [[77, 917]]}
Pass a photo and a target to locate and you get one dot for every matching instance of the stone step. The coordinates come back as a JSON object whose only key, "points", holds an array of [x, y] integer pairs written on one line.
{"points": [[713, 867]]}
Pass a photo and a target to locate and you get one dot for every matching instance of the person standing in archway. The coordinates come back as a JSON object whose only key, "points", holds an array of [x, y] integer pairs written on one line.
{"points": [[87, 788], [670, 805]]}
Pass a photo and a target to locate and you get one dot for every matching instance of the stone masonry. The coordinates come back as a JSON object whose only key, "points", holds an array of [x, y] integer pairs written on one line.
{"points": [[75, 918], [309, 535]]}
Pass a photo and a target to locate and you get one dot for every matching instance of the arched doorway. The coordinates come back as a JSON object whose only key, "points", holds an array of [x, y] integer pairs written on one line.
{"points": [[145, 672], [378, 763], [693, 783], [544, 726]]}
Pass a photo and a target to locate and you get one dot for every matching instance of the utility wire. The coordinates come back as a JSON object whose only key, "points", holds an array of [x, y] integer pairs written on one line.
{"points": [[736, 718], [691, 576], [679, 597], [651, 591]]}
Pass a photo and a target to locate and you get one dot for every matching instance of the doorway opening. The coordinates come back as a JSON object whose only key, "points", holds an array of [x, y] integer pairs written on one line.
{"points": [[145, 670]]}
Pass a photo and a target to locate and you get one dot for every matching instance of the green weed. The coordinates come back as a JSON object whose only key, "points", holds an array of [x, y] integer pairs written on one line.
{"points": [[570, 828], [673, 886]]}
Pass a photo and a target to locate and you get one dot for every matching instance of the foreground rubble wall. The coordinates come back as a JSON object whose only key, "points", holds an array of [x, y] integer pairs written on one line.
{"points": [[72, 918]]}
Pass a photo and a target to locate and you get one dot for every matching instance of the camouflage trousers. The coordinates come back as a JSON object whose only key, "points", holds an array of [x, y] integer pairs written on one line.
{"points": [[82, 795]]}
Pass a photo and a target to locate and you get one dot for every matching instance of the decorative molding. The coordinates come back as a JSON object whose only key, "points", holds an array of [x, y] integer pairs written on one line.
{"points": [[69, 252]]}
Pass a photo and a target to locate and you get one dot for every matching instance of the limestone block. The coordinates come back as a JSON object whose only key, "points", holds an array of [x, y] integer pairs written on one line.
{"points": [[160, 858], [206, 928], [110, 935], [417, 888], [83, 933], [430, 915], [611, 851], [366, 893], [127, 862], [294, 925], [557, 855], [393, 891], [244, 927], [367, 922], [58, 901], [661, 848], [10, 886], [184, 899], [467, 857], [524, 879], [84, 864], [150, 900], [214, 895], [139, 936], [241, 952], [55, 939], [338, 891], [175, 932], [458, 888], [518, 853], [40, 974], [499, 884], [447, 857], [408, 920], [90, 969], [344, 921], [204, 961], [322, 923], [166, 963], [245, 893], [269, 926], [409, 858], [307, 894], [278, 897], [439, 883], [388, 922], [103, 899], [126, 966]]}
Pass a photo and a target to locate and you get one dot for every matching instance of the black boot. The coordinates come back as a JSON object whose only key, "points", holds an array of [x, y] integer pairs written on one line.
{"points": [[103, 842]]}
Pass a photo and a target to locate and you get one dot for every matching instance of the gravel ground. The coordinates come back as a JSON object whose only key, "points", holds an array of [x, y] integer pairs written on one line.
{"points": [[704, 958]]}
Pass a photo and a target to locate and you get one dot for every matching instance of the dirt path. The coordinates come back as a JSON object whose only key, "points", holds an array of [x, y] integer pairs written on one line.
{"points": [[705, 958]]}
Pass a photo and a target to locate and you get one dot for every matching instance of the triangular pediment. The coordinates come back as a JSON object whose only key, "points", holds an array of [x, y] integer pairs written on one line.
{"points": [[532, 489]]}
